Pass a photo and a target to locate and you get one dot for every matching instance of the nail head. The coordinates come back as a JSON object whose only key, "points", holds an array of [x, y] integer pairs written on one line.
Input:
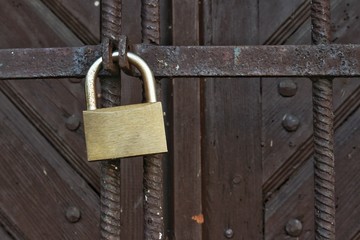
{"points": [[236, 179], [294, 228], [290, 122], [72, 123], [229, 233], [73, 214], [287, 88]]}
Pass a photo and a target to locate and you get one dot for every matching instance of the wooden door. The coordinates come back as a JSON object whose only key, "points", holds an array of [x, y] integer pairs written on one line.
{"points": [[240, 160], [46, 181], [246, 164]]}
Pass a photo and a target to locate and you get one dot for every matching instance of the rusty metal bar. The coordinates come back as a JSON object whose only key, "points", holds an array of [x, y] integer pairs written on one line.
{"points": [[153, 164], [323, 117], [192, 61], [47, 62], [110, 204], [110, 31], [252, 61]]}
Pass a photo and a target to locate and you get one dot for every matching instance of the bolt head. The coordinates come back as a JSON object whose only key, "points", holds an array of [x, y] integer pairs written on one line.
{"points": [[290, 122], [229, 233], [73, 214], [287, 88], [72, 123], [294, 228]]}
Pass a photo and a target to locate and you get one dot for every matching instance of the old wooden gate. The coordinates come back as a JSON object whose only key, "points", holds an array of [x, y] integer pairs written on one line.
{"points": [[240, 164]]}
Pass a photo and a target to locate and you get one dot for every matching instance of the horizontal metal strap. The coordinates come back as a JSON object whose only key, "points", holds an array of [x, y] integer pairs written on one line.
{"points": [[192, 61], [47, 62]]}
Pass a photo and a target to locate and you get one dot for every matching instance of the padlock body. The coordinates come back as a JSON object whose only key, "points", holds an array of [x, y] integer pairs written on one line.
{"points": [[124, 131]]}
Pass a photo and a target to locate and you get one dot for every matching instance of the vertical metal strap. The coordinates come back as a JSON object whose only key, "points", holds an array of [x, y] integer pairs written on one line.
{"points": [[110, 96], [150, 21], [323, 115], [153, 164], [110, 30]]}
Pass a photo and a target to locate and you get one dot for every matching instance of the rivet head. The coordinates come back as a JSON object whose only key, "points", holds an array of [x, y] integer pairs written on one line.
{"points": [[229, 233], [72, 123], [73, 214], [287, 88], [294, 228], [290, 122], [236, 179]]}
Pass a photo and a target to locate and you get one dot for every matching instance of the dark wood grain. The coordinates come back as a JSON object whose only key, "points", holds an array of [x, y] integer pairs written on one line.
{"points": [[293, 201], [31, 166], [54, 101], [295, 198], [277, 18], [289, 189], [231, 131], [63, 104], [26, 25], [81, 17], [5, 235], [284, 150], [59, 100], [38, 186], [186, 125]]}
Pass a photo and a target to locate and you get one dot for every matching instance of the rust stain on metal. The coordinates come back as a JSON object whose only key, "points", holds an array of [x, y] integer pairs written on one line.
{"points": [[110, 31], [237, 52], [198, 218], [323, 114], [110, 178], [110, 204], [264, 61], [154, 198], [150, 21], [111, 19], [154, 227], [192, 61], [110, 208]]}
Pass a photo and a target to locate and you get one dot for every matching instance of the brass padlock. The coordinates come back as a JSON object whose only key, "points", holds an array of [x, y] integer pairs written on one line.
{"points": [[123, 131]]}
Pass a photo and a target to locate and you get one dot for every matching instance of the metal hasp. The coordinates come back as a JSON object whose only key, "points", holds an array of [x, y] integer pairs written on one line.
{"points": [[323, 118]]}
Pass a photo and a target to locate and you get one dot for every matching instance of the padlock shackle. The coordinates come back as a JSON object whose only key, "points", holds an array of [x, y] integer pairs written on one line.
{"points": [[147, 75], [138, 62]]}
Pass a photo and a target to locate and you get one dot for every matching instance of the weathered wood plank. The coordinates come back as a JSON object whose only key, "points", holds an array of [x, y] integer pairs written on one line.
{"points": [[293, 201], [81, 17], [38, 186], [49, 110], [285, 151], [5, 235], [57, 100], [231, 131], [187, 174], [273, 28], [35, 26], [295, 198]]}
